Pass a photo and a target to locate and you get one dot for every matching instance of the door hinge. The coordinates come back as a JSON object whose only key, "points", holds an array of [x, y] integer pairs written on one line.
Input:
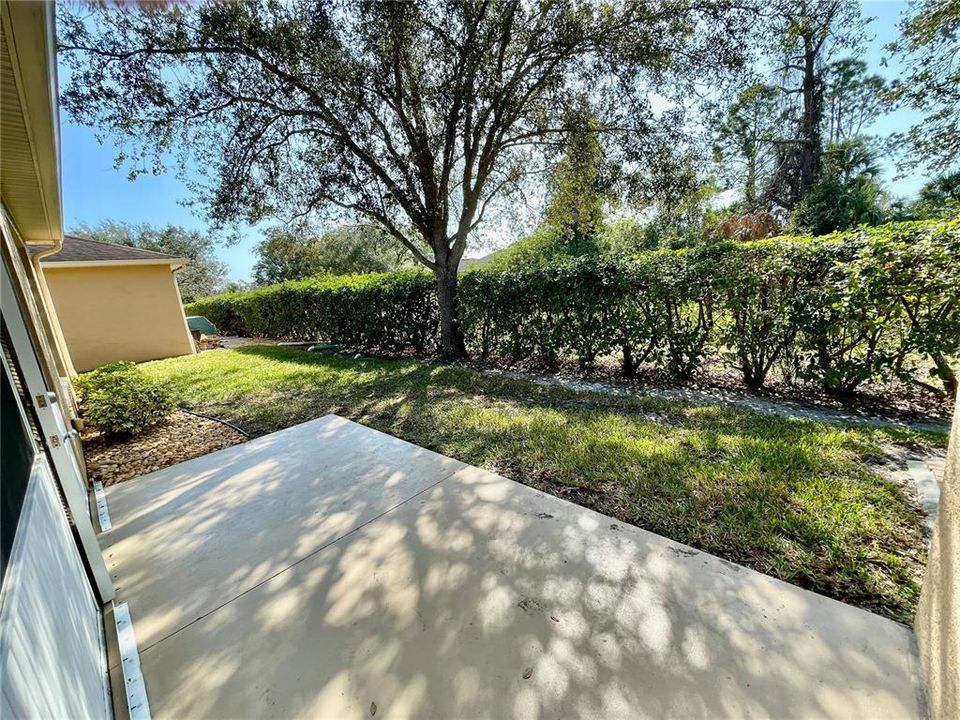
{"points": [[42, 398]]}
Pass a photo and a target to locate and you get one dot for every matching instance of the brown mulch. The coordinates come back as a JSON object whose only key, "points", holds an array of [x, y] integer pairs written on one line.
{"points": [[181, 437], [906, 402]]}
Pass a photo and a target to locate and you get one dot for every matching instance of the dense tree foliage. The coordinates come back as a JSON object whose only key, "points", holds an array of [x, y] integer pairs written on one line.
{"points": [[294, 253], [284, 254], [930, 45], [746, 135], [675, 192], [771, 136], [794, 140], [418, 116], [579, 185], [939, 198], [203, 274], [804, 35], [847, 194]]}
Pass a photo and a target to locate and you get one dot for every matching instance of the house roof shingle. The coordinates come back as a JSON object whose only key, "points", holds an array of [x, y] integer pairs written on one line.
{"points": [[76, 249]]}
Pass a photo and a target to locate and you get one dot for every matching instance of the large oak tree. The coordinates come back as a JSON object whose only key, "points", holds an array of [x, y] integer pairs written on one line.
{"points": [[418, 116]]}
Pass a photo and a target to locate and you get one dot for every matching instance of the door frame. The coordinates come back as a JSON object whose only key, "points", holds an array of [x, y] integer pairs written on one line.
{"points": [[26, 590], [58, 441]]}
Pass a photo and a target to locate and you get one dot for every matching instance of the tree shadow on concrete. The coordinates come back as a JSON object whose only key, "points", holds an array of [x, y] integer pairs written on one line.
{"points": [[331, 571]]}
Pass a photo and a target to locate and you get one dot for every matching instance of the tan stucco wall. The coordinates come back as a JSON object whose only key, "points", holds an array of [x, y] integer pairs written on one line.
{"points": [[938, 616], [111, 313]]}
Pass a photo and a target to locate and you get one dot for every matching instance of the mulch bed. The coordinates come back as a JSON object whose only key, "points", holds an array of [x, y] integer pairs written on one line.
{"points": [[181, 437], [898, 400]]}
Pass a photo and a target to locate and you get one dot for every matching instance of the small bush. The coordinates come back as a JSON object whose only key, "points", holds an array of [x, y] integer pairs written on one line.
{"points": [[119, 399]]}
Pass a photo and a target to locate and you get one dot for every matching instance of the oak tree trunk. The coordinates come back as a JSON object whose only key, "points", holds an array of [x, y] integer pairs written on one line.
{"points": [[452, 346]]}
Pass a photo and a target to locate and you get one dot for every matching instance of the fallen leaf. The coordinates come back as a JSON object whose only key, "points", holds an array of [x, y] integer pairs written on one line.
{"points": [[527, 673], [373, 709]]}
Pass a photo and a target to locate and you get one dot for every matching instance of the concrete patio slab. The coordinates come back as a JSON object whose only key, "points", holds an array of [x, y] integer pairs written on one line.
{"points": [[473, 597], [189, 537]]}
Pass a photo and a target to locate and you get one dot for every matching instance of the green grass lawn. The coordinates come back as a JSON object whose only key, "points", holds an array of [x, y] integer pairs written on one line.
{"points": [[790, 498]]}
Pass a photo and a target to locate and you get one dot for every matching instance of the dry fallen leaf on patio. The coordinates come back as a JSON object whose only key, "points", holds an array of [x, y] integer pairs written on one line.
{"points": [[527, 673], [373, 709]]}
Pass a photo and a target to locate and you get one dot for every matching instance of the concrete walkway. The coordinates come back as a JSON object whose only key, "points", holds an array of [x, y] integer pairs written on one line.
{"points": [[744, 400], [331, 571]]}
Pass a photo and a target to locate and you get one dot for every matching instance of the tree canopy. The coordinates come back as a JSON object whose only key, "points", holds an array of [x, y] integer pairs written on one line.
{"points": [[929, 43], [852, 98], [285, 255], [802, 94], [580, 183], [846, 194], [300, 252], [418, 116]]}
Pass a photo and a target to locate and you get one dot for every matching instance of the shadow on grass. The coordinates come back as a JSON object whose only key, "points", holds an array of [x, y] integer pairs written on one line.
{"points": [[791, 498]]}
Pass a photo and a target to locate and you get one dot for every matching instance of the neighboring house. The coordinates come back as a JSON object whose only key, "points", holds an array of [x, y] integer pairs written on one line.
{"points": [[54, 583], [116, 302]]}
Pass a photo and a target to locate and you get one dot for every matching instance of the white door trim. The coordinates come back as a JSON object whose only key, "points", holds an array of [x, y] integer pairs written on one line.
{"points": [[58, 443]]}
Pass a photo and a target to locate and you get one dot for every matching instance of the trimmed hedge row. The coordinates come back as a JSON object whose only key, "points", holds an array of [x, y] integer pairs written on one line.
{"points": [[388, 311], [868, 305]]}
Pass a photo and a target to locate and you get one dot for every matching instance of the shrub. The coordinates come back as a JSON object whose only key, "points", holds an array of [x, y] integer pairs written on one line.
{"points": [[119, 399], [565, 308], [865, 305], [222, 310], [761, 286], [385, 311], [683, 282], [884, 298]]}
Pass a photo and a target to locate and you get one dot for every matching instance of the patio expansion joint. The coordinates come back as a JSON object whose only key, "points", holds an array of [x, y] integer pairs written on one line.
{"points": [[296, 562]]}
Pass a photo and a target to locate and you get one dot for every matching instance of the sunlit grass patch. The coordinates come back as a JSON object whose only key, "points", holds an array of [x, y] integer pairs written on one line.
{"points": [[796, 499]]}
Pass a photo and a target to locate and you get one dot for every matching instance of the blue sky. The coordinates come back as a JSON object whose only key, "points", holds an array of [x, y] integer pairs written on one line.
{"points": [[94, 191]]}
